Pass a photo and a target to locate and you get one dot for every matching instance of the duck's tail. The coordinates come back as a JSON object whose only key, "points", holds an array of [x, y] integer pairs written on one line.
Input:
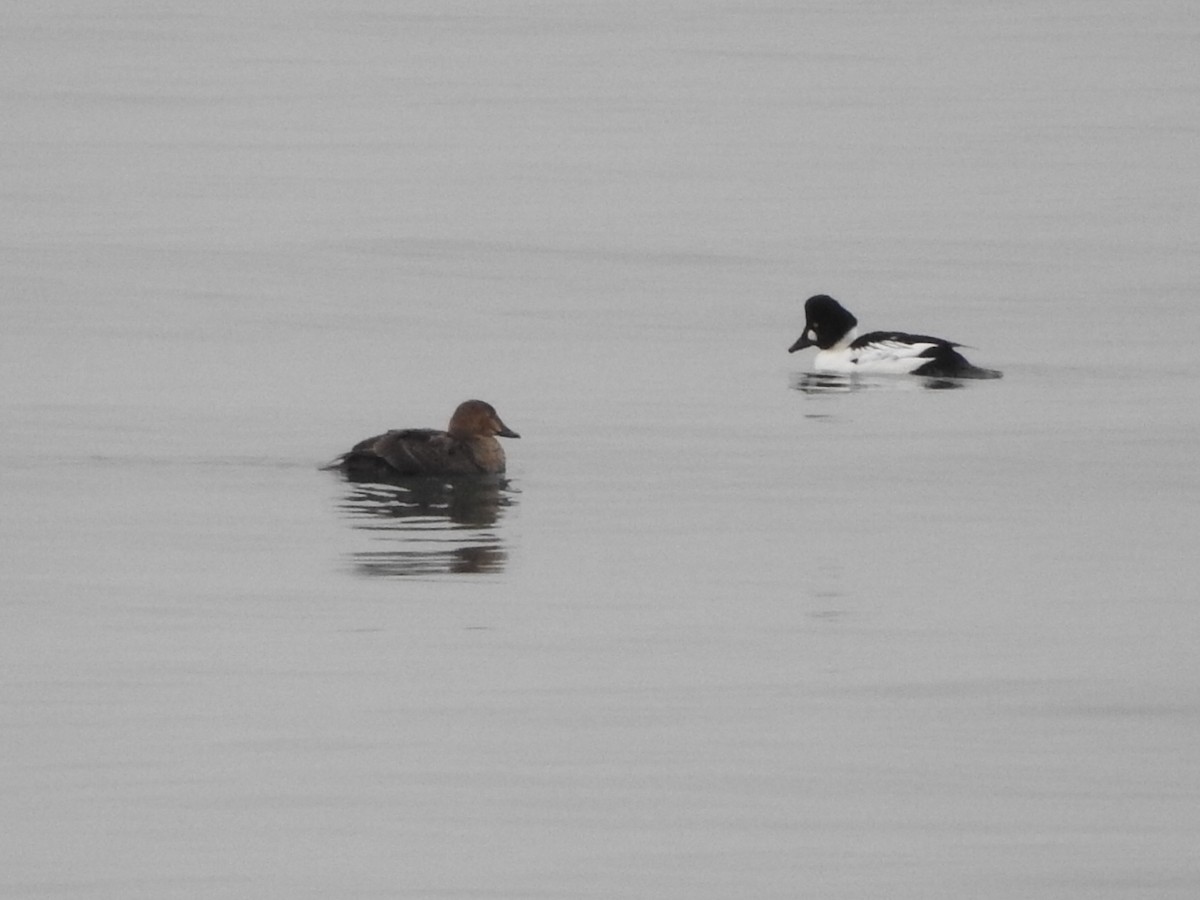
{"points": [[979, 372], [949, 363]]}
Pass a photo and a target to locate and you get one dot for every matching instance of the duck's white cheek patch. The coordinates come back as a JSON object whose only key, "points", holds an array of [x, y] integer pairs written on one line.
{"points": [[810, 335]]}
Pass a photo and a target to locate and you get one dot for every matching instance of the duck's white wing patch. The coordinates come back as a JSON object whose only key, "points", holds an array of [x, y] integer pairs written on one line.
{"points": [[891, 356]]}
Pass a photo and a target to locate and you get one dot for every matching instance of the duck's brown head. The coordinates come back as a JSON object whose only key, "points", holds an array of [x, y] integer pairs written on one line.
{"points": [[474, 418]]}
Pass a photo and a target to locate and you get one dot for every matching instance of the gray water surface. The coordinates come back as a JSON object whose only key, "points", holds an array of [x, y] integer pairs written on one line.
{"points": [[725, 632]]}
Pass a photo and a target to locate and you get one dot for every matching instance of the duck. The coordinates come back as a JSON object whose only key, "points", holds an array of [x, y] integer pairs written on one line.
{"points": [[833, 329], [468, 446]]}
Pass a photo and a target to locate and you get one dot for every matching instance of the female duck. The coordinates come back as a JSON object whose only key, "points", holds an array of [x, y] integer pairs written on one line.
{"points": [[840, 349], [467, 447]]}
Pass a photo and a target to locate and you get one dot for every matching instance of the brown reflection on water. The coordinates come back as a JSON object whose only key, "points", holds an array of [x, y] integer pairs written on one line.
{"points": [[429, 526]]}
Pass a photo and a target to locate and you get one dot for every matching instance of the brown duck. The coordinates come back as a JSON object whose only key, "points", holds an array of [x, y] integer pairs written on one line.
{"points": [[467, 447]]}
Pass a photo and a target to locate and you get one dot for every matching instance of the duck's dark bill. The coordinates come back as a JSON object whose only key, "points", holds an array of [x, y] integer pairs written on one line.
{"points": [[801, 343]]}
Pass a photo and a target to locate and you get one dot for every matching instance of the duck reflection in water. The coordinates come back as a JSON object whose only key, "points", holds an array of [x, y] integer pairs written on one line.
{"points": [[439, 495], [836, 383], [430, 525]]}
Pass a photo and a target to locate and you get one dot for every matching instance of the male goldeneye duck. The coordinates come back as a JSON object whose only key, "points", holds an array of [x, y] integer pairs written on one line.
{"points": [[833, 329], [467, 447]]}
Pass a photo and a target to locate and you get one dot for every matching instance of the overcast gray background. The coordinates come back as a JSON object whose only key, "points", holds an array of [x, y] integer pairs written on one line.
{"points": [[720, 636]]}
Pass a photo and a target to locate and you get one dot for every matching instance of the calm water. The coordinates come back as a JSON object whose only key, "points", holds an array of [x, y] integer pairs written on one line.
{"points": [[722, 634]]}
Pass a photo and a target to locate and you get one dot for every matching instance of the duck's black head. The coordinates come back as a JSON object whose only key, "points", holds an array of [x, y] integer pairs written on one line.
{"points": [[826, 323]]}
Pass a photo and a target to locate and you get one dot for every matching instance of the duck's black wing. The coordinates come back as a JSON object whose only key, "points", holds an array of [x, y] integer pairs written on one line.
{"points": [[944, 360], [900, 337]]}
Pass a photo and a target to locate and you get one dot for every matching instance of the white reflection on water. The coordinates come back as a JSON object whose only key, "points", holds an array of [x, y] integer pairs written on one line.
{"points": [[836, 383]]}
